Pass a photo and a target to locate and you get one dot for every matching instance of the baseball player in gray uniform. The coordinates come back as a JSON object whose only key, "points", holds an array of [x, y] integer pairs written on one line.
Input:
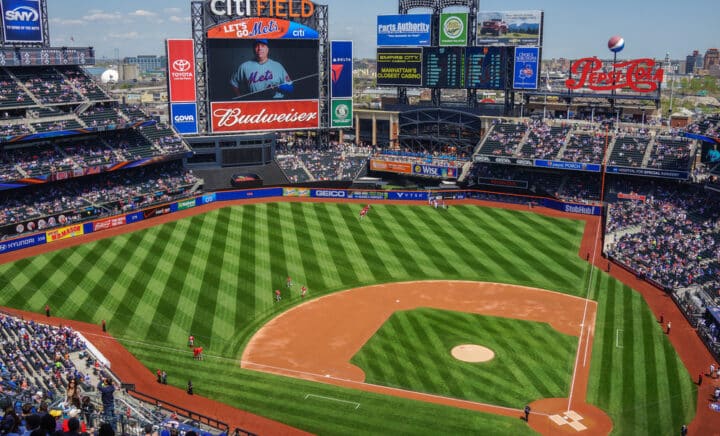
{"points": [[261, 78]]}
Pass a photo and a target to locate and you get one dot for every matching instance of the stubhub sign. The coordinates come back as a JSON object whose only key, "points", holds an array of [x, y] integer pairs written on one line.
{"points": [[184, 118]]}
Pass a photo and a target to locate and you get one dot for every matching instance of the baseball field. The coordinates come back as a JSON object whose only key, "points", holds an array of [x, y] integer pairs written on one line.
{"points": [[213, 276]]}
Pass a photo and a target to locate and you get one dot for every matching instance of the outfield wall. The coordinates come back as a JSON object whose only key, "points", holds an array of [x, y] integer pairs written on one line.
{"points": [[458, 196]]}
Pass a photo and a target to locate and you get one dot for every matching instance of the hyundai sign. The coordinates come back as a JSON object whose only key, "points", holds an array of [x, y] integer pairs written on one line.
{"points": [[184, 118], [21, 21]]}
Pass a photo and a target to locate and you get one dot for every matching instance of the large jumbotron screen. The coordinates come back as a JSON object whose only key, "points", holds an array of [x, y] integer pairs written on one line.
{"points": [[262, 83]]}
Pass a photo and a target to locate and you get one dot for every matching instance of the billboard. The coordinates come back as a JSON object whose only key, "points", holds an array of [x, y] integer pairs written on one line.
{"points": [[341, 69], [403, 30], [527, 61], [184, 117], [341, 113], [485, 67], [390, 166], [22, 21], [453, 29], [435, 171], [263, 74], [399, 66], [511, 28], [444, 67], [181, 69]]}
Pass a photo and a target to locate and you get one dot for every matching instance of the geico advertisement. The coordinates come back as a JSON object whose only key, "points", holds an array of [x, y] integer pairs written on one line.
{"points": [[264, 115]]}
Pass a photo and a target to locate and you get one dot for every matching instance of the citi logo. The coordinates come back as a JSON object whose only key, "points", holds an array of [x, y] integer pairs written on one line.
{"points": [[184, 119], [22, 13], [181, 65]]}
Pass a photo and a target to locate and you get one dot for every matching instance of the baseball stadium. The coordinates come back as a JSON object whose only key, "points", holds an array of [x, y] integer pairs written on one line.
{"points": [[285, 261]]}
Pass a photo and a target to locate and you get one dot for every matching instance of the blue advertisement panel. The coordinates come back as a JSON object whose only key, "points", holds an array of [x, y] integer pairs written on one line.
{"points": [[22, 20], [209, 198], [21, 243], [403, 30], [341, 69], [558, 165], [184, 118], [527, 60], [134, 217], [435, 171], [582, 209], [244, 195], [408, 196]]}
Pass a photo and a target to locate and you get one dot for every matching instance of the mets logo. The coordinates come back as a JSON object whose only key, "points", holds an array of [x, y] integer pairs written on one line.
{"points": [[181, 65]]}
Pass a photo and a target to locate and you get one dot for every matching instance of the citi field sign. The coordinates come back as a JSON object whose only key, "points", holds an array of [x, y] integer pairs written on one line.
{"points": [[265, 8]]}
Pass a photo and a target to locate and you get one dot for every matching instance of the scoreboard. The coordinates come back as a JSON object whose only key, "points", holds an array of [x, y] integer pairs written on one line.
{"points": [[34, 56], [486, 67], [444, 67]]}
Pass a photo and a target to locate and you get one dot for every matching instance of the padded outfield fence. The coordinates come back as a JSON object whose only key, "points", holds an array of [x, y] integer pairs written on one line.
{"points": [[458, 196]]}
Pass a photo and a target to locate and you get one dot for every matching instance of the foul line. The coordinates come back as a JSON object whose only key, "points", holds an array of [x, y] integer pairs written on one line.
{"points": [[584, 318], [357, 405]]}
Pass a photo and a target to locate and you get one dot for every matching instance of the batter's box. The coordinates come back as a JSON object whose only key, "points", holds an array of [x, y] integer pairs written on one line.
{"points": [[570, 418]]}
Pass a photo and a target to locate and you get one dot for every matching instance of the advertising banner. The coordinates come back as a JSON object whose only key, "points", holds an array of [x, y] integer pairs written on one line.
{"points": [[409, 196], [368, 195], [435, 171], [341, 69], [208, 198], [181, 70], [341, 113], [22, 21], [631, 196], [391, 167], [503, 160], [109, 223], [485, 67], [21, 243], [41, 224], [403, 30], [296, 192], [261, 27], [134, 217], [649, 172], [186, 204], [228, 117], [399, 67], [522, 184], [184, 118], [594, 168], [156, 211], [453, 29], [65, 233], [511, 28], [527, 61]]}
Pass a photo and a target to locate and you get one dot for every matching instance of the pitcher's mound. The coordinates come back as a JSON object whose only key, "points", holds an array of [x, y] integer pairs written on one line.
{"points": [[473, 353]]}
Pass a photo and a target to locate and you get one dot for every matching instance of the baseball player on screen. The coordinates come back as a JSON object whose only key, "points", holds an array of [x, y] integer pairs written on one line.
{"points": [[261, 78]]}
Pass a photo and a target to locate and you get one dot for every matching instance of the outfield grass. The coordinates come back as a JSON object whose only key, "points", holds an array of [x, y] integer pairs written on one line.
{"points": [[213, 275], [532, 360]]}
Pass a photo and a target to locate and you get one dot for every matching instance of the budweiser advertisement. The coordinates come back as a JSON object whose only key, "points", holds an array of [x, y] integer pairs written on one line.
{"points": [[640, 75], [181, 70], [228, 117]]}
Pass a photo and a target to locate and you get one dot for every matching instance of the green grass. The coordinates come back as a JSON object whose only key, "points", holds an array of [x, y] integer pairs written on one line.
{"points": [[213, 275], [532, 360]]}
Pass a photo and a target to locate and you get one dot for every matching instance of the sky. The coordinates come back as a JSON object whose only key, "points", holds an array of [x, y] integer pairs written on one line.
{"points": [[573, 29]]}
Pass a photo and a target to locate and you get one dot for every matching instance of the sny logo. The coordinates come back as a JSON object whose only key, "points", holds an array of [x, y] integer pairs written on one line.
{"points": [[22, 13]]}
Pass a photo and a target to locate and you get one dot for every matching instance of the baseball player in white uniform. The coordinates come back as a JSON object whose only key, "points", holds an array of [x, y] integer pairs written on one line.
{"points": [[261, 78]]}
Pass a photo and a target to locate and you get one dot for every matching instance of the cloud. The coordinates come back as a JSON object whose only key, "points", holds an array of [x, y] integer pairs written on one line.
{"points": [[97, 15], [128, 35], [67, 22], [173, 11], [142, 13], [176, 19]]}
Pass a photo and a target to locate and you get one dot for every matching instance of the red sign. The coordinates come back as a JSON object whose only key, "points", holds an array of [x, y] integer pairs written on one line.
{"points": [[637, 75], [389, 166], [109, 223], [631, 196], [251, 28], [181, 70], [264, 115]]}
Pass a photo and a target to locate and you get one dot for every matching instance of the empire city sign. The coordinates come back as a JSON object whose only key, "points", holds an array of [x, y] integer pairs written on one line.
{"points": [[640, 75], [269, 8]]}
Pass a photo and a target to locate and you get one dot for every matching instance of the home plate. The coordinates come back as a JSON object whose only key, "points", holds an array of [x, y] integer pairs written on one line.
{"points": [[570, 418]]}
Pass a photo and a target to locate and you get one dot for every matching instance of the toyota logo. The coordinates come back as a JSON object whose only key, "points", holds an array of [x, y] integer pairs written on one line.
{"points": [[181, 65]]}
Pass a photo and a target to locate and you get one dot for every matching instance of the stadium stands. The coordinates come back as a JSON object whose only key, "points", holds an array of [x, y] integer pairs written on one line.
{"points": [[670, 153], [544, 141], [585, 147], [11, 93], [47, 85], [503, 139], [629, 150]]}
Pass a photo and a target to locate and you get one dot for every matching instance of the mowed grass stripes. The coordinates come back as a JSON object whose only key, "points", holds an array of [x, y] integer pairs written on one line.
{"points": [[412, 350], [213, 276]]}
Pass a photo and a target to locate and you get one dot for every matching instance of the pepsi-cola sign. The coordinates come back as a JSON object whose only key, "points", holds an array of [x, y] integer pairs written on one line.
{"points": [[22, 21], [640, 75]]}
